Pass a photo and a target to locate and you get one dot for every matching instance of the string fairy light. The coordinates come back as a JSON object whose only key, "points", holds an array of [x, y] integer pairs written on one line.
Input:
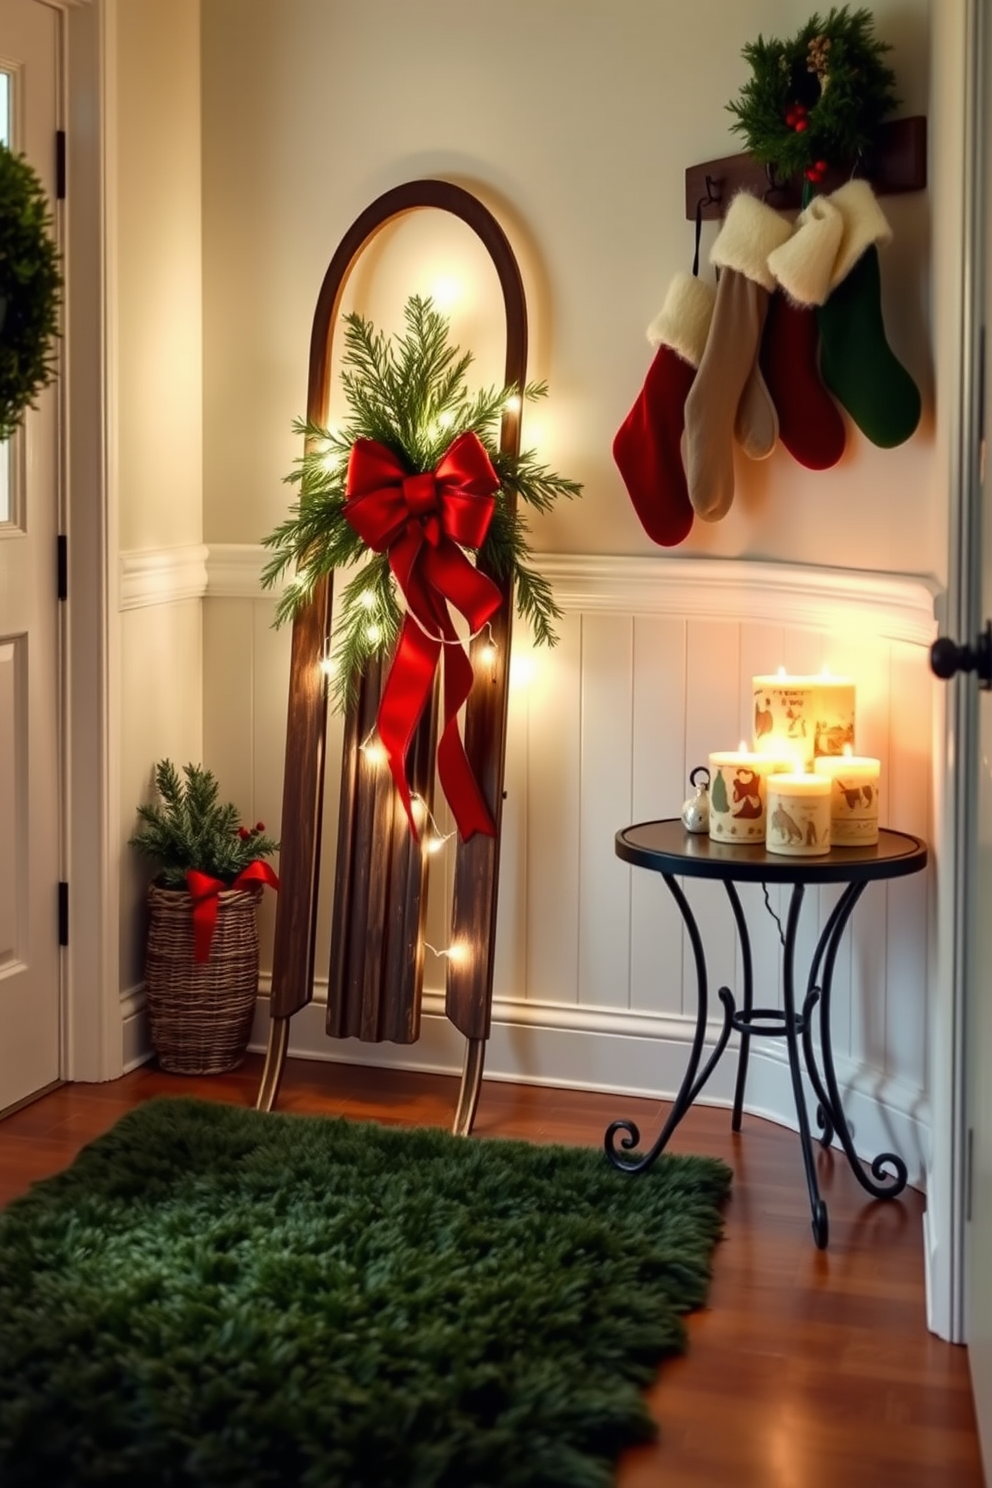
{"points": [[373, 749], [457, 953], [434, 838]]}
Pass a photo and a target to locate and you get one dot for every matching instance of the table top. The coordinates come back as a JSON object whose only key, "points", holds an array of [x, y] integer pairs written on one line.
{"points": [[667, 847]]}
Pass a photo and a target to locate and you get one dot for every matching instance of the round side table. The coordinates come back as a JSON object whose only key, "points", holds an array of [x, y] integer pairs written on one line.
{"points": [[667, 848]]}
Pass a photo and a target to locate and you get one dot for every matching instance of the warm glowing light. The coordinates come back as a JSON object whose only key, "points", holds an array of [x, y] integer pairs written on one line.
{"points": [[433, 845], [373, 634], [445, 292], [446, 419], [487, 654], [367, 599], [513, 403], [781, 672], [374, 751], [847, 752], [457, 953], [328, 666]]}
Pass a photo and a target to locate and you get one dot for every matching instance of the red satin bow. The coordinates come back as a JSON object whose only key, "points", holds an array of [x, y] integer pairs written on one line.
{"points": [[423, 521], [203, 891]]}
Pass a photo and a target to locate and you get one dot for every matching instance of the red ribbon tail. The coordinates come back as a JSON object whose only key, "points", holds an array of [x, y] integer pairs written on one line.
{"points": [[459, 784], [203, 891], [404, 698]]}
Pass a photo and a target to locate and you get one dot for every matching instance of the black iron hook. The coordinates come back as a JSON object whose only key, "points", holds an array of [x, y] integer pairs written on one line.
{"points": [[712, 198]]}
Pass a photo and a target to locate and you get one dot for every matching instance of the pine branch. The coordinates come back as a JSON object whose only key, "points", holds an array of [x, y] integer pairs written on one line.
{"points": [[408, 394]]}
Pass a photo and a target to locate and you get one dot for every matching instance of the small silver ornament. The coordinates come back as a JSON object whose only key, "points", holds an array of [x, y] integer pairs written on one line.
{"points": [[696, 810]]}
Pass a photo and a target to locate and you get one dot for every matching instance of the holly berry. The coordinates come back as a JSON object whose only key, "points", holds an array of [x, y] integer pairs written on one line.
{"points": [[244, 833], [801, 125], [259, 826]]}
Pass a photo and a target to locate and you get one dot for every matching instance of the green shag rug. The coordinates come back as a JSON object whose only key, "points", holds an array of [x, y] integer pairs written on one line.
{"points": [[213, 1296]]}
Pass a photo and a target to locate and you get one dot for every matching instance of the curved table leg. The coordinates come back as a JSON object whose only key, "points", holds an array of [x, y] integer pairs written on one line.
{"points": [[882, 1185], [691, 1085], [748, 1007], [827, 946], [821, 1227]]}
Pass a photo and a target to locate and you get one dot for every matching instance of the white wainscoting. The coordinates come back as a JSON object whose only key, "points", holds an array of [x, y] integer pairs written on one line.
{"points": [[593, 984]]}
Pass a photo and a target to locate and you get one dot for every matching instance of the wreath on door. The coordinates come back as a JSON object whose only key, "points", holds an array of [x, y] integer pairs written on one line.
{"points": [[30, 290]]}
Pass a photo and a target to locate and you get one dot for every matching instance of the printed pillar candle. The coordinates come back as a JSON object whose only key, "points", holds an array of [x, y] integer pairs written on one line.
{"points": [[738, 780], [855, 780], [802, 716], [798, 820]]}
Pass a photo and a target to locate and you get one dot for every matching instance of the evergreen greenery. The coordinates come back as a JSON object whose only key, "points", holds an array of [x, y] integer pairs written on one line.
{"points": [[216, 1297], [30, 290], [830, 78], [409, 394], [190, 828]]}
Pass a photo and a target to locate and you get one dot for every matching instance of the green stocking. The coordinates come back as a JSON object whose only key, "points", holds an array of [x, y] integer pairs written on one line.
{"points": [[858, 365]]}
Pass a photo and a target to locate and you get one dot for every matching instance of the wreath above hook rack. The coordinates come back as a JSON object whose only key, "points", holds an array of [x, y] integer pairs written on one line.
{"points": [[897, 164]]}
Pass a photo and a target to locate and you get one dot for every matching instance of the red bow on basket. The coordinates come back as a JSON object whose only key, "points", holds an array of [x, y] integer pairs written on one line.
{"points": [[423, 521], [203, 890]]}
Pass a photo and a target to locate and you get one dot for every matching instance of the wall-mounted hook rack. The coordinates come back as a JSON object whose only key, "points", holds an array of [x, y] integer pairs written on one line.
{"points": [[898, 163]]}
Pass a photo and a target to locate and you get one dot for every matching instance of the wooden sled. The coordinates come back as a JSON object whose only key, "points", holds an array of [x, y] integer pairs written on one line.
{"points": [[380, 890]]}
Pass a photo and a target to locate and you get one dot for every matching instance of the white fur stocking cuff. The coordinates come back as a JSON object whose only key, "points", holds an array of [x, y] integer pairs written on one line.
{"points": [[683, 322]]}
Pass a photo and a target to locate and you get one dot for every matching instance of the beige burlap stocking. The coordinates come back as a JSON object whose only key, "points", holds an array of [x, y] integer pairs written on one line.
{"points": [[728, 398]]}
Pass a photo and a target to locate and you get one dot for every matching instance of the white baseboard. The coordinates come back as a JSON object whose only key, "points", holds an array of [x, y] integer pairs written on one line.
{"points": [[600, 1049]]}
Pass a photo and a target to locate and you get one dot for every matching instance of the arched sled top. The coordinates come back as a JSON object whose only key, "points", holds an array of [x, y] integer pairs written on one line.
{"points": [[413, 196]]}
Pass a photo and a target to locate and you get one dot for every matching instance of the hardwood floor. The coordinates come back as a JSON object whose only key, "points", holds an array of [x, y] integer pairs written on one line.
{"points": [[808, 1369]]}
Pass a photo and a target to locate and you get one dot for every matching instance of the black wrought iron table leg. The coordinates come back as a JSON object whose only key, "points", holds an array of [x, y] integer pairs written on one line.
{"points": [[693, 1080], [748, 1002], [826, 953], [882, 1184], [821, 1227]]}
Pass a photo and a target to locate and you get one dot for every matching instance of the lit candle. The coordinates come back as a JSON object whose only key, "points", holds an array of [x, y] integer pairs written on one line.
{"points": [[855, 782], [798, 821], [802, 716], [737, 793]]}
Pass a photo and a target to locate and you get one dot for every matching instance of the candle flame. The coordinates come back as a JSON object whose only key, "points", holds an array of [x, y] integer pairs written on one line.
{"points": [[847, 751], [781, 671]]}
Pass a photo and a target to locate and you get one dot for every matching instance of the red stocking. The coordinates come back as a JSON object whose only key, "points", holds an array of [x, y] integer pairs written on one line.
{"points": [[809, 422], [647, 445]]}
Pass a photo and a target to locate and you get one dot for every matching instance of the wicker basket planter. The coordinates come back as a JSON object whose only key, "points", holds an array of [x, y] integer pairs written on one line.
{"points": [[201, 1013]]}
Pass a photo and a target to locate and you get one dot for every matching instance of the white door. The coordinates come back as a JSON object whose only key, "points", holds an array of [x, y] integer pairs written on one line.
{"points": [[29, 629], [978, 1006]]}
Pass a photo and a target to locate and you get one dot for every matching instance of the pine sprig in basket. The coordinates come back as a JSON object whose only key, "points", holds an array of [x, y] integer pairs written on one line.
{"points": [[409, 394], [189, 828], [815, 100]]}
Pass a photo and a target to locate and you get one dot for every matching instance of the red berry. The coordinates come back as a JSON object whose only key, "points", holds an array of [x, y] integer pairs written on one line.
{"points": [[813, 174], [801, 125], [259, 826], [243, 833], [801, 110], [790, 117], [821, 166]]}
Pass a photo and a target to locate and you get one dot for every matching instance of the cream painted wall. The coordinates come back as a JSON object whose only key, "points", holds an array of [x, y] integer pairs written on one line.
{"points": [[154, 248], [158, 281], [162, 716], [575, 119]]}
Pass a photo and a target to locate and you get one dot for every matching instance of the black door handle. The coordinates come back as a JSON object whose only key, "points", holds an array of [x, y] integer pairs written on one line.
{"points": [[947, 657]]}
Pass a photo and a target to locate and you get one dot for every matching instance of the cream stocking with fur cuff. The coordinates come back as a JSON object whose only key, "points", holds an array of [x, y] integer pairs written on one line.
{"points": [[717, 409]]}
